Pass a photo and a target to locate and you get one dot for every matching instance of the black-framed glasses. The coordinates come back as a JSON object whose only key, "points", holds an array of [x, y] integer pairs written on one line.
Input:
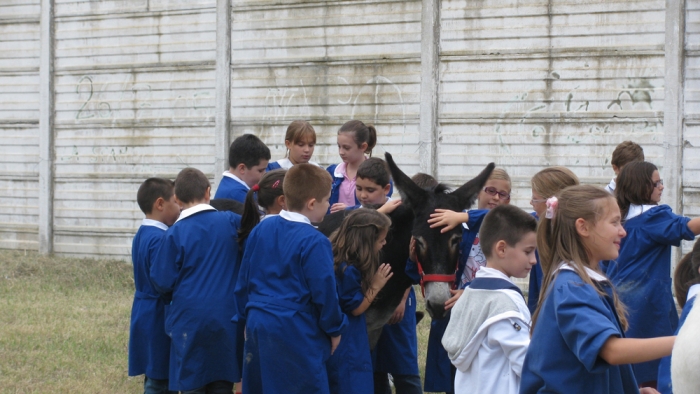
{"points": [[492, 191], [658, 183]]}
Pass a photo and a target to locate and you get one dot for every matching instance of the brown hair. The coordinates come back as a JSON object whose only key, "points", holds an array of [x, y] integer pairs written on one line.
{"points": [[626, 152], [300, 130], [363, 133], [353, 243], [558, 240], [191, 185], [376, 170], [269, 188], [634, 186], [425, 181], [304, 182], [151, 190], [551, 180], [505, 222], [686, 274]]}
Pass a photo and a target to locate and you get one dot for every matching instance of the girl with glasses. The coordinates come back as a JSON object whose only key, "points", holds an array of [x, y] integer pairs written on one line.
{"points": [[642, 272], [439, 372]]}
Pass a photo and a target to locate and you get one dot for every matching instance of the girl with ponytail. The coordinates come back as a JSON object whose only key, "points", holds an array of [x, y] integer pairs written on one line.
{"points": [[355, 143], [270, 197], [578, 343]]}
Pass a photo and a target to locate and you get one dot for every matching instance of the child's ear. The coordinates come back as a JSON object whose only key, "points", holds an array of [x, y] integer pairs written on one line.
{"points": [[501, 248], [282, 202], [582, 227], [364, 146], [241, 168], [207, 195], [616, 170], [159, 205], [387, 188], [311, 204]]}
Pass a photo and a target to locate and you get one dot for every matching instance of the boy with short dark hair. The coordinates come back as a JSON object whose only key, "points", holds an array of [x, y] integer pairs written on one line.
{"points": [[625, 152], [149, 347], [488, 333], [196, 267], [247, 159], [372, 185], [286, 292]]}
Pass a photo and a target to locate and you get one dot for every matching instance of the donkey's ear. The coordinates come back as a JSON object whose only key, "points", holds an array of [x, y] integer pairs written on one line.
{"points": [[411, 195], [468, 192]]}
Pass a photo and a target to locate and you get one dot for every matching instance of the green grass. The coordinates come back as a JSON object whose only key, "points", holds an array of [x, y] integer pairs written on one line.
{"points": [[64, 325]]}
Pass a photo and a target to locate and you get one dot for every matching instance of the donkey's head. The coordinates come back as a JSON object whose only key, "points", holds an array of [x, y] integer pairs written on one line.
{"points": [[438, 252]]}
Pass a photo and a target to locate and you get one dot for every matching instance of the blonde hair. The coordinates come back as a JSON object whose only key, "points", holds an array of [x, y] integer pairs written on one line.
{"points": [[353, 243], [558, 240], [550, 181]]}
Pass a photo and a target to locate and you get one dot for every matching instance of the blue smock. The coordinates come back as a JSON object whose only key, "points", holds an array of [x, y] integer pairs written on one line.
{"points": [[350, 367], [335, 186], [149, 346], [642, 277], [574, 323], [231, 189], [287, 297], [197, 264]]}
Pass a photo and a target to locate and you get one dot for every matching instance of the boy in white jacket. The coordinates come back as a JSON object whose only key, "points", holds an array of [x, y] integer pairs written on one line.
{"points": [[489, 329]]}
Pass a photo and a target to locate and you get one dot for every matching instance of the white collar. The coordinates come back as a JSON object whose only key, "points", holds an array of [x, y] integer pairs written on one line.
{"points": [[337, 173], [154, 223], [195, 209], [592, 274], [266, 216], [294, 217], [636, 210], [611, 186], [287, 164], [693, 291], [237, 179], [487, 272]]}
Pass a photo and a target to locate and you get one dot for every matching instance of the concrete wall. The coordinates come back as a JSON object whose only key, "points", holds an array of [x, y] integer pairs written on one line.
{"points": [[96, 96]]}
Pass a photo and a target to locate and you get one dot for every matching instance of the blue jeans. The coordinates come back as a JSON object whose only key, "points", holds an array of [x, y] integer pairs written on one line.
{"points": [[156, 386], [217, 387], [404, 384]]}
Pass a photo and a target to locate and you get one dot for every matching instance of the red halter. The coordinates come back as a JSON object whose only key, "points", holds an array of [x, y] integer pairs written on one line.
{"points": [[434, 277]]}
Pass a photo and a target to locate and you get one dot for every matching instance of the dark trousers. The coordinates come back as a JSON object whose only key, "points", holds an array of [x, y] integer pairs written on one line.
{"points": [[404, 384], [156, 386], [218, 387]]}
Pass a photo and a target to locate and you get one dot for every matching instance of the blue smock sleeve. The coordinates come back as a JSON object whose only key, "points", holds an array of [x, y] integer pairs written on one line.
{"points": [[665, 227], [584, 322], [349, 288], [241, 290], [166, 265], [317, 267], [412, 271]]}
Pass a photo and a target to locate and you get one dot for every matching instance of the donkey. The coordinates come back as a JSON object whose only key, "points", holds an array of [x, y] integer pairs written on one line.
{"points": [[437, 253]]}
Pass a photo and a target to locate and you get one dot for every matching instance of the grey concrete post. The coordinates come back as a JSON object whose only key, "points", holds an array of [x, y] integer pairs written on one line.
{"points": [[46, 130], [430, 80], [673, 108], [223, 87]]}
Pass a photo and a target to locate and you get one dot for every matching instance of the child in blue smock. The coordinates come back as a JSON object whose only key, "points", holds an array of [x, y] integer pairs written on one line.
{"points": [[545, 184], [196, 268], [642, 274], [360, 277], [300, 141], [439, 371], [286, 293], [355, 140], [578, 343], [268, 195], [247, 159], [149, 346], [686, 283]]}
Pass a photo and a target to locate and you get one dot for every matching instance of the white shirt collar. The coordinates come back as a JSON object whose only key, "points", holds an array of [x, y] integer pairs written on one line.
{"points": [[487, 272], [339, 171], [268, 216], [592, 274], [154, 223], [693, 291], [294, 217], [287, 164], [195, 209], [636, 210], [237, 179], [611, 186]]}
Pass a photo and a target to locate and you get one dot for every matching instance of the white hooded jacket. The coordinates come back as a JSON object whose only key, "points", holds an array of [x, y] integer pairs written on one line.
{"points": [[487, 338]]}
